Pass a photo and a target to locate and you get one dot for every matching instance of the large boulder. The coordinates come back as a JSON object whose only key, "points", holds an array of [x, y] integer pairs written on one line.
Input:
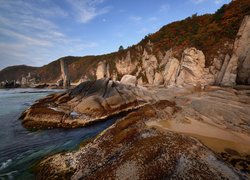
{"points": [[89, 102], [129, 79]]}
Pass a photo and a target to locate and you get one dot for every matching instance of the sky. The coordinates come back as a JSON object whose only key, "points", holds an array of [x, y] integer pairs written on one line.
{"points": [[36, 32]]}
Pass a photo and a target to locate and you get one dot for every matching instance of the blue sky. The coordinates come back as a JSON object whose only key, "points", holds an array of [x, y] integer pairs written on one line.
{"points": [[36, 32]]}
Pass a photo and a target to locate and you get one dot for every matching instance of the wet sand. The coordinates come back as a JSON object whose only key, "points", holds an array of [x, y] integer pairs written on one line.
{"points": [[215, 138]]}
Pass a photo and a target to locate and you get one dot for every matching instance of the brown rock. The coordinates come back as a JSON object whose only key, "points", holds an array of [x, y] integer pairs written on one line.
{"points": [[131, 150], [89, 102]]}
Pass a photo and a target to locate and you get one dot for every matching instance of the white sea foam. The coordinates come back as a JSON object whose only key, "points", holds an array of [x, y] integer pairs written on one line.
{"points": [[5, 164]]}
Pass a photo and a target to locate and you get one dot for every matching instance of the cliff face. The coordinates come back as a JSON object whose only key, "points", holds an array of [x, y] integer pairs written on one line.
{"points": [[215, 52], [208, 49], [242, 51], [239, 64]]}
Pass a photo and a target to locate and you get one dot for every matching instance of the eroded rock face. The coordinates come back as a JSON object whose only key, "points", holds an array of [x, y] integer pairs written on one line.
{"points": [[239, 64], [192, 69], [89, 102], [171, 71], [158, 79], [131, 150], [243, 74], [192, 66], [125, 65], [166, 58], [149, 64], [101, 71], [64, 74], [222, 70]]}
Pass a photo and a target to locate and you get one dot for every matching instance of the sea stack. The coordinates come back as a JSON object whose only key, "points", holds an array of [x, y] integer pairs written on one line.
{"points": [[64, 74]]}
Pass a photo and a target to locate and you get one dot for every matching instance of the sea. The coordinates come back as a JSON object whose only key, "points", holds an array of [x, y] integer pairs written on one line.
{"points": [[20, 149]]}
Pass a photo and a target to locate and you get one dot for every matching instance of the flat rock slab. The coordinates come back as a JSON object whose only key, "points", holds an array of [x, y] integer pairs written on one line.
{"points": [[131, 150]]}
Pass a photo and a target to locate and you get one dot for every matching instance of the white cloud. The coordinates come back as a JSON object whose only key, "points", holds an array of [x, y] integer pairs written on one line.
{"points": [[135, 18], [119, 34], [24, 38], [198, 1], [218, 1], [32, 8], [212, 1], [30, 35], [88, 9], [164, 8], [143, 31], [153, 19], [14, 54]]}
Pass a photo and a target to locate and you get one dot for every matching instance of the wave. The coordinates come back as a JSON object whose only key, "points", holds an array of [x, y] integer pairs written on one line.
{"points": [[5, 164], [9, 175]]}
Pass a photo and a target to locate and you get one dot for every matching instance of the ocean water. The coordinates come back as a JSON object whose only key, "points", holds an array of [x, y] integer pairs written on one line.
{"points": [[20, 149]]}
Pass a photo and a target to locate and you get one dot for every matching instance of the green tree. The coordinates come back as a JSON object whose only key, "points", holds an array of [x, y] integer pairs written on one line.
{"points": [[121, 48]]}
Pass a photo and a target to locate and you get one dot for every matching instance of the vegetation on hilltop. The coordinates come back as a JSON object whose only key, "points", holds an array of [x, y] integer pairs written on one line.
{"points": [[16, 72], [209, 33]]}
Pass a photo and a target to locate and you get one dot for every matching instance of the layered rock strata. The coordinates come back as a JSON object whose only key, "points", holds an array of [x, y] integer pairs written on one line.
{"points": [[89, 102]]}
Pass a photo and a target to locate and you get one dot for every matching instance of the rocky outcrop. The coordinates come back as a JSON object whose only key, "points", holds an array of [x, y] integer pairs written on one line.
{"points": [[87, 103], [10, 84], [125, 65], [149, 65], [64, 74], [164, 68], [158, 80], [222, 70], [171, 71], [134, 149], [239, 64], [192, 68], [165, 59], [102, 70], [129, 79], [243, 73]]}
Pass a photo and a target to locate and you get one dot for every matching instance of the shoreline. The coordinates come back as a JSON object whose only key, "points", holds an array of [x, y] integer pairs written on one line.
{"points": [[175, 112]]}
